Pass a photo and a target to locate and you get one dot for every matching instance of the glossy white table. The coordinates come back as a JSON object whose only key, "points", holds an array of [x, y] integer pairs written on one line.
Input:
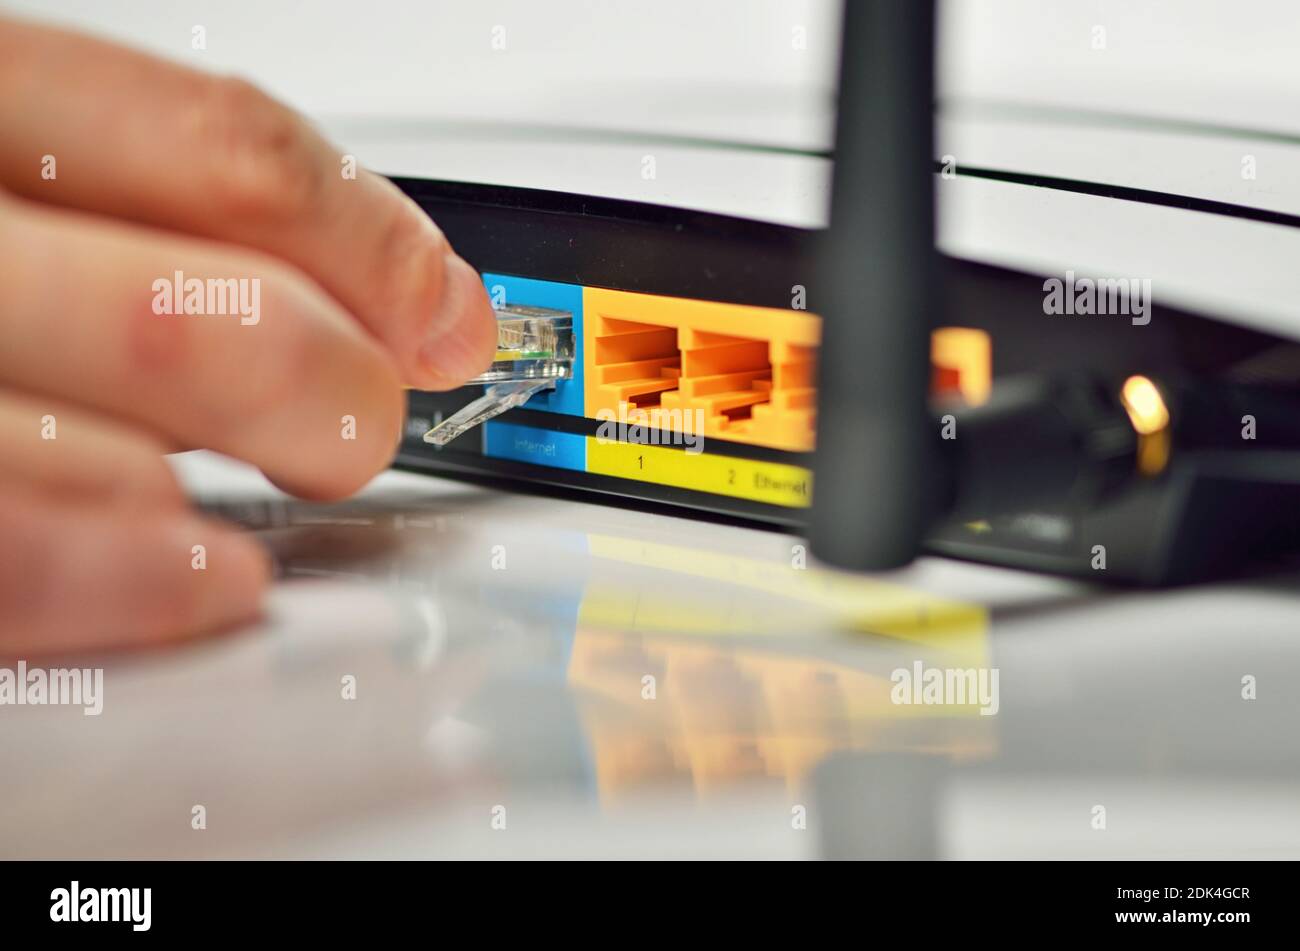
{"points": [[518, 692]]}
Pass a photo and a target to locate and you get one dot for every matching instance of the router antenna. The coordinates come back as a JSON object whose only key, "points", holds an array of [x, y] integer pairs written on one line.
{"points": [[875, 461]]}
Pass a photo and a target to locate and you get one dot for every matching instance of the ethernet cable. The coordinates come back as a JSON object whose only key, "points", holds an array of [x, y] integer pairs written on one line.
{"points": [[534, 351]]}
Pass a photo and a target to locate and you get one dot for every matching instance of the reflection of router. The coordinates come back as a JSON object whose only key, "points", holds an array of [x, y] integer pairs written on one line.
{"points": [[777, 701], [1101, 449]]}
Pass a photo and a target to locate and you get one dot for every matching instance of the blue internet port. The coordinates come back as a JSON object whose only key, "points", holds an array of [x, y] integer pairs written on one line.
{"points": [[567, 397]]}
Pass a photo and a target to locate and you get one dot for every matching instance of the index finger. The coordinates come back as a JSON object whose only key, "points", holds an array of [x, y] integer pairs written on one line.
{"points": [[136, 137], [96, 314]]}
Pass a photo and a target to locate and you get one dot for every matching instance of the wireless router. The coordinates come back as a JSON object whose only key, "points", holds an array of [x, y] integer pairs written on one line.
{"points": [[853, 384]]}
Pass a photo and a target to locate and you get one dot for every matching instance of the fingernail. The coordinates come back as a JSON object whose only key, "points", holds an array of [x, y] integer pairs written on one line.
{"points": [[462, 341]]}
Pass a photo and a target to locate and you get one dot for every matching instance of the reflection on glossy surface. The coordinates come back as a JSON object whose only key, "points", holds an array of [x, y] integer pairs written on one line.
{"points": [[501, 646], [693, 666]]}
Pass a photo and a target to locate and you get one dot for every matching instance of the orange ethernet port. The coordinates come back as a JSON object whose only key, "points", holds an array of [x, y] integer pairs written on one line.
{"points": [[748, 372]]}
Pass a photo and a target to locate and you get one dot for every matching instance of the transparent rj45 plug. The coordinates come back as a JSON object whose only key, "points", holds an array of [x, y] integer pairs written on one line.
{"points": [[532, 343], [534, 350]]}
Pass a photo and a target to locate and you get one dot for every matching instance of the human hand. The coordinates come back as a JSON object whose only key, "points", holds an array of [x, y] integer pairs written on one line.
{"points": [[123, 177]]}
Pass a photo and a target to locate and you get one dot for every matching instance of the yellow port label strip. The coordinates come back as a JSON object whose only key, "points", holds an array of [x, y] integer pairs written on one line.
{"points": [[774, 483]]}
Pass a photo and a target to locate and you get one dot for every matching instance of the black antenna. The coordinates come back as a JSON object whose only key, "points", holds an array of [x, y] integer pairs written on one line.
{"points": [[877, 295], [881, 477]]}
